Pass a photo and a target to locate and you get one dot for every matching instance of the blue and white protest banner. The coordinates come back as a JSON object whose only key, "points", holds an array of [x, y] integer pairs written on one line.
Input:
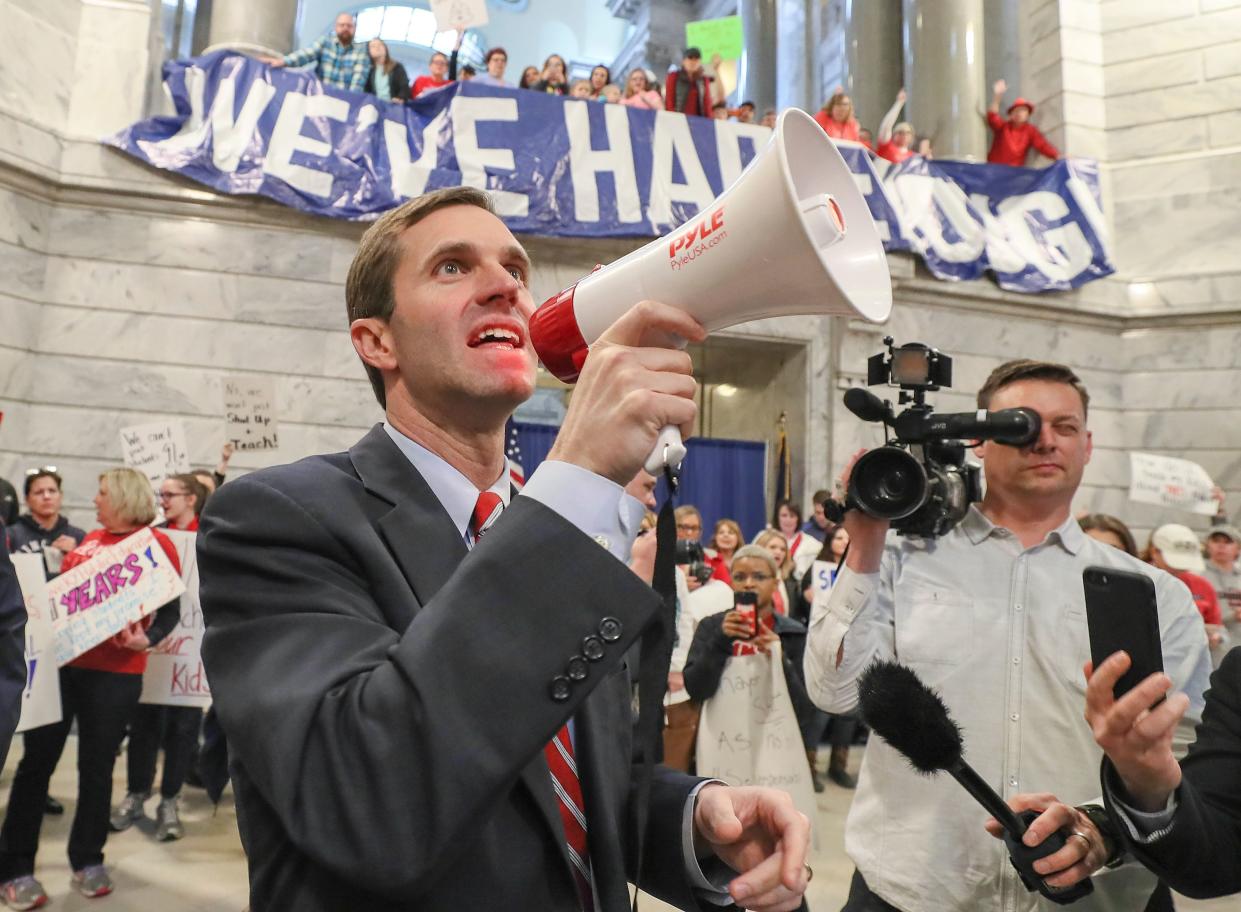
{"points": [[118, 585], [569, 167]]}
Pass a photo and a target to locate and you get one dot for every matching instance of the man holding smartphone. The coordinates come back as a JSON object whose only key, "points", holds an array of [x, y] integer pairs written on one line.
{"points": [[992, 615]]}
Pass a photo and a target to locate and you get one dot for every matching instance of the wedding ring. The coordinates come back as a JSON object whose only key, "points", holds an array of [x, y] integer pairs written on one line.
{"points": [[809, 872], [1084, 838]]}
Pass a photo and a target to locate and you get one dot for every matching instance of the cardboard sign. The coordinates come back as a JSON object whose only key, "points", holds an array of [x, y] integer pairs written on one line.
{"points": [[455, 15], [250, 414], [1171, 482], [716, 36], [156, 450], [823, 578], [118, 585], [748, 732], [174, 675], [41, 698]]}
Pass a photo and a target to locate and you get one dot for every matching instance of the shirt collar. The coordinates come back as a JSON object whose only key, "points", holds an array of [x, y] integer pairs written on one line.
{"points": [[978, 528], [456, 493]]}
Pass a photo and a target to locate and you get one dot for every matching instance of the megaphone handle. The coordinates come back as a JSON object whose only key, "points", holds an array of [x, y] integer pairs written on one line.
{"points": [[669, 451]]}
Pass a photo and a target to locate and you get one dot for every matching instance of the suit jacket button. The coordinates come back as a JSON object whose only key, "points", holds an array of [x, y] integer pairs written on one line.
{"points": [[610, 629], [561, 688], [593, 648], [577, 669]]}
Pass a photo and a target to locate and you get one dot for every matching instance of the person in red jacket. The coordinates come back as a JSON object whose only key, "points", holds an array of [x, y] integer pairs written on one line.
{"points": [[836, 117], [1175, 548], [1014, 137], [100, 689], [692, 89]]}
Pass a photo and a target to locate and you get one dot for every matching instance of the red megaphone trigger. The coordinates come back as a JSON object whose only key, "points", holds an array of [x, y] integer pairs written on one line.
{"points": [[556, 338]]}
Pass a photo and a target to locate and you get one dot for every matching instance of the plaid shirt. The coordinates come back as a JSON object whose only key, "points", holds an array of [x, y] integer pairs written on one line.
{"points": [[337, 65]]}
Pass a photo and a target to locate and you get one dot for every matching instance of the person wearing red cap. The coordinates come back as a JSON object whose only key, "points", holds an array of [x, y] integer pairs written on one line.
{"points": [[1014, 137]]}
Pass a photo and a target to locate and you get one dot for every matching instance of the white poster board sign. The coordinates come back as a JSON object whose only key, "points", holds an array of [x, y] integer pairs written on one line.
{"points": [[156, 450], [41, 698], [748, 732], [1171, 482], [454, 15], [250, 414], [174, 675], [118, 585]]}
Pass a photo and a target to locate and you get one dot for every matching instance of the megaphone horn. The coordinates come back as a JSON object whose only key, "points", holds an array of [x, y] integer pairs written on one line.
{"points": [[792, 235]]}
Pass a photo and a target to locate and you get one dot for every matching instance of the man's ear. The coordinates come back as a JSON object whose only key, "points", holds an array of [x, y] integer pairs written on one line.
{"points": [[372, 340]]}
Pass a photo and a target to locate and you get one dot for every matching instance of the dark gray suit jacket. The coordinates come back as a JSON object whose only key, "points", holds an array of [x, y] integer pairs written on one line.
{"points": [[1200, 854], [12, 650], [387, 695]]}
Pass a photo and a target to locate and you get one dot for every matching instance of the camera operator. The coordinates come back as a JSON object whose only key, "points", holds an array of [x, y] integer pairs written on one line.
{"points": [[992, 614]]}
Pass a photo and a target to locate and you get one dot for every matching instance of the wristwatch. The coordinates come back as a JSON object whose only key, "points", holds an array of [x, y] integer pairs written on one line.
{"points": [[1103, 823]]}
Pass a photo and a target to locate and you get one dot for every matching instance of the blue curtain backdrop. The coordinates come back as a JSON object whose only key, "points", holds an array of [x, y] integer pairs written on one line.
{"points": [[722, 478]]}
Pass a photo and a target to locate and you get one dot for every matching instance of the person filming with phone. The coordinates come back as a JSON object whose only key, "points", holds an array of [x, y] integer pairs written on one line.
{"points": [[985, 603]]}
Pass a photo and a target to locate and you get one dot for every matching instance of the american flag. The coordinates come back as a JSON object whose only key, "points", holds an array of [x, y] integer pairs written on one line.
{"points": [[516, 474]]}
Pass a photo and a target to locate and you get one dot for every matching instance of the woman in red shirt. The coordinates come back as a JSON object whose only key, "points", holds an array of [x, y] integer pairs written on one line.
{"points": [[836, 118], [724, 543], [1174, 548], [100, 689], [182, 498]]}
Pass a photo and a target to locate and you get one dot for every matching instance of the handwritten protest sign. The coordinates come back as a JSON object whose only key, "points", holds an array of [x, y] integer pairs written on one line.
{"points": [[157, 450], [748, 733], [41, 698], [1171, 482], [118, 585], [174, 675], [250, 414], [459, 14], [716, 36]]}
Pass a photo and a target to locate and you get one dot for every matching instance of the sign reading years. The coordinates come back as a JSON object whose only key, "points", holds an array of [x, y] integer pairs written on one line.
{"points": [[41, 698], [174, 675], [156, 450], [1171, 482], [98, 598]]}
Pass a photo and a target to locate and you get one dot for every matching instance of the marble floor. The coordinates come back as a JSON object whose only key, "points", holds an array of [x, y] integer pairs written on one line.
{"points": [[205, 872]]}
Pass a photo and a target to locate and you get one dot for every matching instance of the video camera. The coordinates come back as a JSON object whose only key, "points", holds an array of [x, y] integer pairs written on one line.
{"points": [[919, 480], [693, 554]]}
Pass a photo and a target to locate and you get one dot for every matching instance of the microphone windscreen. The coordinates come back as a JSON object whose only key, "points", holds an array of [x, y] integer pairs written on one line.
{"points": [[865, 404], [909, 716]]}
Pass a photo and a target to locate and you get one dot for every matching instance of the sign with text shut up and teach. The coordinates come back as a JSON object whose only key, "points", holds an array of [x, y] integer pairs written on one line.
{"points": [[101, 596], [250, 413], [576, 168]]}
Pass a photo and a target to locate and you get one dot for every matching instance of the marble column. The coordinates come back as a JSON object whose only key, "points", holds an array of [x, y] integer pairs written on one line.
{"points": [[1003, 37], [253, 28], [945, 75], [873, 57], [757, 79]]}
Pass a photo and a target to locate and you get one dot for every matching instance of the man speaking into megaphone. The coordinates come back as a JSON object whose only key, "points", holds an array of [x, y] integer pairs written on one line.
{"points": [[421, 674]]}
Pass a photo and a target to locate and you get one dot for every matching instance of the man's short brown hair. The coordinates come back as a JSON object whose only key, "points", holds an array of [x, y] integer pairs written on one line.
{"points": [[1011, 372], [368, 289]]}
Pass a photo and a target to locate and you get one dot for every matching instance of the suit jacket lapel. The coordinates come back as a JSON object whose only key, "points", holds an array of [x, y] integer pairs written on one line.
{"points": [[418, 531], [427, 547]]}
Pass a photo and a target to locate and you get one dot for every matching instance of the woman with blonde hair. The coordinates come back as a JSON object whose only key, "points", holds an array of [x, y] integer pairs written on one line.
{"points": [[778, 547], [99, 689], [836, 117], [725, 541], [639, 93]]}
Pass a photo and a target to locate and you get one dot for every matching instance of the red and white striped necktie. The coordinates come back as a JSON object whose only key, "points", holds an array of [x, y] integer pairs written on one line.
{"points": [[487, 510], [568, 788], [559, 751]]}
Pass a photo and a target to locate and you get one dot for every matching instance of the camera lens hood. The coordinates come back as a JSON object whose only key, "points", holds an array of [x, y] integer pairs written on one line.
{"points": [[888, 483]]}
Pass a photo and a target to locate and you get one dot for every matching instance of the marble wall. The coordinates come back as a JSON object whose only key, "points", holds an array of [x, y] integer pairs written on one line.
{"points": [[131, 295]]}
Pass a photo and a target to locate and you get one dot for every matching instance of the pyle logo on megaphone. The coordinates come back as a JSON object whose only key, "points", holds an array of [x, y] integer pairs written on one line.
{"points": [[710, 226], [800, 239]]}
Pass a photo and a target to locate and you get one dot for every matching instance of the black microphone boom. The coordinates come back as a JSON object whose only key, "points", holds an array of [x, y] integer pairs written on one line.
{"points": [[866, 405], [914, 720]]}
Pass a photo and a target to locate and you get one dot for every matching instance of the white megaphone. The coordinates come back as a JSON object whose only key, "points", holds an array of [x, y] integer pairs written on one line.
{"points": [[792, 235]]}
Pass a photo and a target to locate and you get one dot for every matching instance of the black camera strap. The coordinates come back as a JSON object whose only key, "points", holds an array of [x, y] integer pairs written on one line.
{"points": [[653, 664]]}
